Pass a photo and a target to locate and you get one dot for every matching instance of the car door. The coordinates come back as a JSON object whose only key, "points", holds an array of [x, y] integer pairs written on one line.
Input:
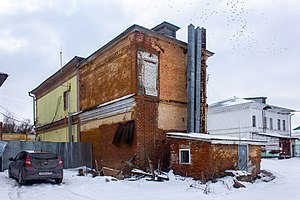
{"points": [[13, 165], [17, 163]]}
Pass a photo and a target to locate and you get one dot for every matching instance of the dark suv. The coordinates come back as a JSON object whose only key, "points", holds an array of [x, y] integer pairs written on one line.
{"points": [[29, 165]]}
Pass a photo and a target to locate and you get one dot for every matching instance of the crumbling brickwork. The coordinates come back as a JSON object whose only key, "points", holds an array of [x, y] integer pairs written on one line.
{"points": [[209, 161], [113, 74]]}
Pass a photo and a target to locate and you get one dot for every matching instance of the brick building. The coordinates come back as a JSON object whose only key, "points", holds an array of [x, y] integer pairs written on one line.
{"points": [[132, 91], [137, 88], [206, 157]]}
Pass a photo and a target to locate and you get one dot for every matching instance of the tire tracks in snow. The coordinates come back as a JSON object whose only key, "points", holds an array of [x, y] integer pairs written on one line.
{"points": [[80, 195], [14, 192]]}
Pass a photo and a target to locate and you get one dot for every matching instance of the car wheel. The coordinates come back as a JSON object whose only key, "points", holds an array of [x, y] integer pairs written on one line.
{"points": [[58, 180], [9, 173], [20, 179]]}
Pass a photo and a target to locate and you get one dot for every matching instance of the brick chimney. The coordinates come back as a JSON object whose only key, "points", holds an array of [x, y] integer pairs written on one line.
{"points": [[167, 29]]}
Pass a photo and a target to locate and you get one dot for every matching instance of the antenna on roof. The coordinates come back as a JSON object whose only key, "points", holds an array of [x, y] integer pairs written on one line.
{"points": [[60, 56]]}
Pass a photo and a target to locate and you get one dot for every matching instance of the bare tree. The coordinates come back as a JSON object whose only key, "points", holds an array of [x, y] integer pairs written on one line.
{"points": [[24, 126], [11, 125]]}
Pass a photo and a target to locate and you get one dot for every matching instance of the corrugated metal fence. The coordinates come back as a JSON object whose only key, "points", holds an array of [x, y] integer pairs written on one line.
{"points": [[73, 154]]}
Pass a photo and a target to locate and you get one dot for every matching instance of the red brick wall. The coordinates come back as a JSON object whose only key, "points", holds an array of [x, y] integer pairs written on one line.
{"points": [[114, 74], [151, 142], [209, 161], [106, 153], [110, 75], [255, 158], [172, 65]]}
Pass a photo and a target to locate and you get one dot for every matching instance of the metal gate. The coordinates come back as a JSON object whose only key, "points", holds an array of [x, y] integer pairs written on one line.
{"points": [[243, 157]]}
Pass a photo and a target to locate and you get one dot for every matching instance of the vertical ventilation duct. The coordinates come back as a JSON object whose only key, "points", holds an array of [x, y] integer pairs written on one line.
{"points": [[191, 80], [198, 41], [194, 79]]}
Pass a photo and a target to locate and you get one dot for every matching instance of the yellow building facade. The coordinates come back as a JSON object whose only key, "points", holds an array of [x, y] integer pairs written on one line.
{"points": [[56, 101]]}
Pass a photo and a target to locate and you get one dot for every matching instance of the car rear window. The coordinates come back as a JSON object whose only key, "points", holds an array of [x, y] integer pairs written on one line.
{"points": [[43, 156]]}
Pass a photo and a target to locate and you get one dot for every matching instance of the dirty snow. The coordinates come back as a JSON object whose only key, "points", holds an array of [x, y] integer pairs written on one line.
{"points": [[285, 185]]}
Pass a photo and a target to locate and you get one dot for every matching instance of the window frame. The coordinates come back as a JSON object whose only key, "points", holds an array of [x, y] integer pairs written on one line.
{"points": [[189, 156], [67, 99], [265, 123], [283, 125], [253, 121], [271, 123], [278, 124]]}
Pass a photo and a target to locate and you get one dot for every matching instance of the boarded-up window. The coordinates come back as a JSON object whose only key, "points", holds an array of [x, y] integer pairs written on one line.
{"points": [[148, 64], [124, 133]]}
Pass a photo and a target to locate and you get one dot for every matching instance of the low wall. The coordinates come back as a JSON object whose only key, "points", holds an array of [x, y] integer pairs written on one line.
{"points": [[73, 154]]}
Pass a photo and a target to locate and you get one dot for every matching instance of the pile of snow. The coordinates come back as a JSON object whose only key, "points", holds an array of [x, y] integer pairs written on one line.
{"points": [[75, 187]]}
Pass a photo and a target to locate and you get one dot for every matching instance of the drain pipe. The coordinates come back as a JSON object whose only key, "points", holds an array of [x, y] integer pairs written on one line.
{"points": [[198, 42], [191, 79], [33, 102]]}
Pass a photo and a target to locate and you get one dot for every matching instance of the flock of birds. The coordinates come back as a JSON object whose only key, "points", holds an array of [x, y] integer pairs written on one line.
{"points": [[242, 26]]}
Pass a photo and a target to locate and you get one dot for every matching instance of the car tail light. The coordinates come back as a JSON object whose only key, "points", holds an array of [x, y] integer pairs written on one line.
{"points": [[27, 161], [60, 163]]}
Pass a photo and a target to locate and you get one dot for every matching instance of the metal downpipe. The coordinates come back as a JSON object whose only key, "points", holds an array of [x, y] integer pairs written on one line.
{"points": [[198, 36], [191, 79]]}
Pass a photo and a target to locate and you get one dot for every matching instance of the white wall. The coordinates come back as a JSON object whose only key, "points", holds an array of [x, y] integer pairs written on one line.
{"points": [[237, 120]]}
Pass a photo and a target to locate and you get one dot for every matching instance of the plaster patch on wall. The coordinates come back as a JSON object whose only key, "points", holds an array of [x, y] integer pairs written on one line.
{"points": [[148, 65]]}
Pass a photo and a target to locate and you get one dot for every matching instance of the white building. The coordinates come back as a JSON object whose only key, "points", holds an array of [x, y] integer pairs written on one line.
{"points": [[255, 119]]}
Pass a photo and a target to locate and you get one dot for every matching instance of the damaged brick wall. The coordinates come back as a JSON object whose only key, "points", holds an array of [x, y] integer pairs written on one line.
{"points": [[255, 158], [152, 140], [110, 75], [113, 73], [106, 153], [209, 161]]}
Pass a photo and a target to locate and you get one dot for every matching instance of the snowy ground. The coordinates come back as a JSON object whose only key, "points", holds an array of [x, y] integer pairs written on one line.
{"points": [[286, 185]]}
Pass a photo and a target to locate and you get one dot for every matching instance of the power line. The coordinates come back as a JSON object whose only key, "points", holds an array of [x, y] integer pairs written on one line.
{"points": [[14, 114], [10, 117]]}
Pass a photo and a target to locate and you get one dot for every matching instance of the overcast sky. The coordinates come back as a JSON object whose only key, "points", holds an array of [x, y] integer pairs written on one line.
{"points": [[256, 43]]}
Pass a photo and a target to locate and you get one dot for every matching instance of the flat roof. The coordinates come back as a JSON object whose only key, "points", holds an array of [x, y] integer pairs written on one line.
{"points": [[215, 139]]}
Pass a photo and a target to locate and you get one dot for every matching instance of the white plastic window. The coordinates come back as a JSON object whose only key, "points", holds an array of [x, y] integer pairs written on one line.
{"points": [[184, 156]]}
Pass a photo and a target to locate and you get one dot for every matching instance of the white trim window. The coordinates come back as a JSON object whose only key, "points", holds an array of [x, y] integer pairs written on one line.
{"points": [[184, 156], [253, 121], [271, 123], [283, 125]]}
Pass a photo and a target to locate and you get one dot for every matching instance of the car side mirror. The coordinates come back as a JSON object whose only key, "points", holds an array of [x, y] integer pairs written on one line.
{"points": [[11, 159]]}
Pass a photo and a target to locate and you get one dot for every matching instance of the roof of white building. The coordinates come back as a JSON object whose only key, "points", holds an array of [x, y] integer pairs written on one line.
{"points": [[215, 139], [296, 133], [235, 101], [231, 102], [277, 135]]}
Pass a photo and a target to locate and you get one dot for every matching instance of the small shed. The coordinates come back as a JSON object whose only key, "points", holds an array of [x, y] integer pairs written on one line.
{"points": [[206, 157]]}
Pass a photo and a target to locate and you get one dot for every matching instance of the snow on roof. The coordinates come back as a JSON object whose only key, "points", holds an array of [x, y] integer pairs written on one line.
{"points": [[215, 139], [275, 135], [239, 101], [115, 100], [231, 102], [296, 134]]}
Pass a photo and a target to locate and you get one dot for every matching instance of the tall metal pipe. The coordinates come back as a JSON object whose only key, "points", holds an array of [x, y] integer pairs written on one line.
{"points": [[198, 36], [191, 79], [70, 127], [33, 107]]}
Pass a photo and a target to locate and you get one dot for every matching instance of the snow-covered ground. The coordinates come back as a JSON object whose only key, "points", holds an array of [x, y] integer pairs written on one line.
{"points": [[286, 185]]}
